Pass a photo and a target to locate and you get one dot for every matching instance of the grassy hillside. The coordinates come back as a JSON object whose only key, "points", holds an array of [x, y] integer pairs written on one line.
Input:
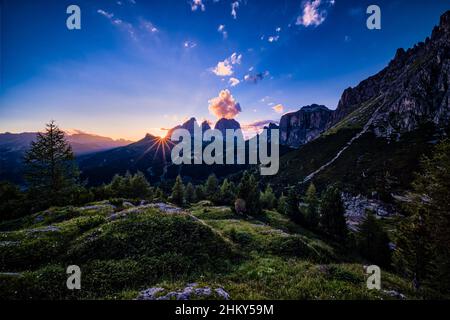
{"points": [[122, 251]]}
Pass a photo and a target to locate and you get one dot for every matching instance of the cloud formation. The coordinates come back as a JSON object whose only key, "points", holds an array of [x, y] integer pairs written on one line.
{"points": [[234, 82], [278, 108], [224, 106], [313, 13], [225, 68], [222, 30], [254, 128], [197, 4], [132, 30], [255, 78], [234, 7]]}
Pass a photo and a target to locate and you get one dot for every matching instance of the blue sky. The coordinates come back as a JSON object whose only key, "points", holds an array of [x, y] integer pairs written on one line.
{"points": [[138, 66]]}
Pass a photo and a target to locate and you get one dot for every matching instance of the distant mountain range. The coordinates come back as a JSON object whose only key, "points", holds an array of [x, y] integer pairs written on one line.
{"points": [[14, 145]]}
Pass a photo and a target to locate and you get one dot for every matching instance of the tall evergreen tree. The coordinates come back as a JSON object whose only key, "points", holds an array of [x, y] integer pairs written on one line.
{"points": [[139, 186], [332, 214], [268, 199], [282, 204], [177, 196], [423, 239], [211, 188], [249, 192], [200, 192], [189, 193], [227, 194], [292, 207], [51, 172], [312, 209], [373, 241]]}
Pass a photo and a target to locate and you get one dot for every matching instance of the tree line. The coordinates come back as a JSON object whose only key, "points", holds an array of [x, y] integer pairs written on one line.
{"points": [[421, 239]]}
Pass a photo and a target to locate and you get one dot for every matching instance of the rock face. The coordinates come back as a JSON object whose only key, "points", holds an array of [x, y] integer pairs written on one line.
{"points": [[300, 127], [413, 89], [356, 208], [191, 291]]}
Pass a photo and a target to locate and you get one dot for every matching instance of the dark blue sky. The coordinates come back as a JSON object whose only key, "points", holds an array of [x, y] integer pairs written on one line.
{"points": [[138, 66]]}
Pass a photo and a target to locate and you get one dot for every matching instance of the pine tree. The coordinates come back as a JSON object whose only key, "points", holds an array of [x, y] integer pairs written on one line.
{"points": [[139, 186], [51, 172], [373, 241], [211, 188], [249, 192], [189, 193], [159, 194], [116, 186], [268, 199], [423, 239], [312, 209], [227, 195], [177, 196], [292, 208], [332, 214], [282, 204], [200, 193]]}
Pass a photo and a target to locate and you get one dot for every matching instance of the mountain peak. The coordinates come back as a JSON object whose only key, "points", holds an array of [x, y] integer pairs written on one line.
{"points": [[223, 124], [444, 23]]}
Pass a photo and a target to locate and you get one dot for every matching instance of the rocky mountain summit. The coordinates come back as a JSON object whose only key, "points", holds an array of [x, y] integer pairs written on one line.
{"points": [[223, 124], [412, 90], [300, 127]]}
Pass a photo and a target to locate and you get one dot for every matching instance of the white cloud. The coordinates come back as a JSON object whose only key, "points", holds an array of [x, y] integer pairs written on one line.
{"points": [[197, 4], [223, 31], [105, 13], [189, 44], [234, 7], [278, 108], [234, 82], [224, 106], [313, 13], [225, 68], [273, 38], [123, 25], [235, 58], [148, 26]]}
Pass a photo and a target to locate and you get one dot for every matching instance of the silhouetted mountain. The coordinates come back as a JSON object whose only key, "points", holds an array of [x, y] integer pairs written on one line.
{"points": [[223, 124]]}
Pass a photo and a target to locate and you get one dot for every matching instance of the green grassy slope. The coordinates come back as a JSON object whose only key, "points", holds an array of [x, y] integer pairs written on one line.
{"points": [[124, 251]]}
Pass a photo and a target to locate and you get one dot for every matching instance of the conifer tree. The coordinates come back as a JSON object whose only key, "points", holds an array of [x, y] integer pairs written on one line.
{"points": [[268, 199], [189, 193], [292, 207], [139, 186], [177, 196], [227, 194], [282, 204], [373, 241], [200, 192], [332, 214], [423, 239], [249, 192], [312, 209], [51, 172], [211, 188]]}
